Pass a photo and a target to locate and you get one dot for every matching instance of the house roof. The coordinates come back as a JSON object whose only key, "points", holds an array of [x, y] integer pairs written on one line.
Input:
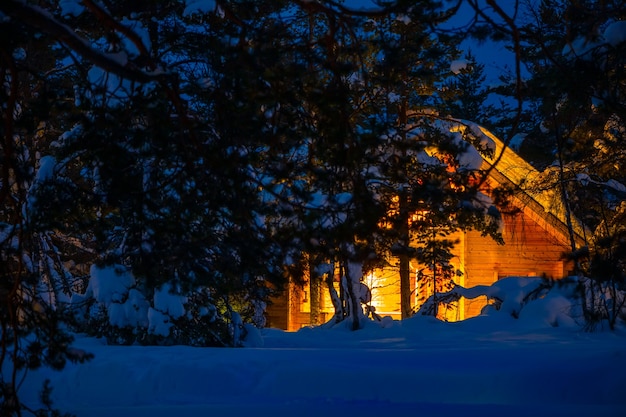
{"points": [[543, 205]]}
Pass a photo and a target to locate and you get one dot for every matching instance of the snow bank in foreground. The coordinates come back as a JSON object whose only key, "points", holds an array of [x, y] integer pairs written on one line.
{"points": [[420, 366], [493, 364]]}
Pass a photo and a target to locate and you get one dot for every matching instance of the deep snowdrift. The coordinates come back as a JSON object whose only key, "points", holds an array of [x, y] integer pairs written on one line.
{"points": [[493, 365]]}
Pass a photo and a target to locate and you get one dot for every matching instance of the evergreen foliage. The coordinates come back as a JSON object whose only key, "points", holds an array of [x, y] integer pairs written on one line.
{"points": [[573, 116], [194, 160], [582, 121]]}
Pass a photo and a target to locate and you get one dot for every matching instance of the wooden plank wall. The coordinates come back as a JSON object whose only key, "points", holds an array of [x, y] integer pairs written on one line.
{"points": [[277, 313], [528, 251]]}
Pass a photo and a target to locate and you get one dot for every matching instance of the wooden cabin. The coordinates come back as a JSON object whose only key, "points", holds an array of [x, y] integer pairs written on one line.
{"points": [[535, 239]]}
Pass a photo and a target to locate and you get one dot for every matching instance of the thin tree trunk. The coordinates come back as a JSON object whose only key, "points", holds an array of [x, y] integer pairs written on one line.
{"points": [[334, 297], [403, 259], [405, 239], [436, 303], [354, 304], [565, 196], [315, 295]]}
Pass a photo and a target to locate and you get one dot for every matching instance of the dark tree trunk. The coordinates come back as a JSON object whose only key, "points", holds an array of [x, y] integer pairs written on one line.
{"points": [[403, 258], [315, 295]]}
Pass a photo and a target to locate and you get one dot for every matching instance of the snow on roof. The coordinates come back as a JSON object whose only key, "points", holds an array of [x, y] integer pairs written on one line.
{"points": [[544, 206]]}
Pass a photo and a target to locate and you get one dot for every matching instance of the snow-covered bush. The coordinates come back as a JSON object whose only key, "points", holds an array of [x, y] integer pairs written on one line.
{"points": [[115, 306], [571, 301]]}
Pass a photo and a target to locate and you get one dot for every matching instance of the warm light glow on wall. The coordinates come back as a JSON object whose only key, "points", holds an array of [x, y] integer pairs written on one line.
{"points": [[419, 215], [372, 282]]}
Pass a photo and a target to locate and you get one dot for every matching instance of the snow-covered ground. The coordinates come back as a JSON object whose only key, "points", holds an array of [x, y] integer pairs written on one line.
{"points": [[485, 366]]}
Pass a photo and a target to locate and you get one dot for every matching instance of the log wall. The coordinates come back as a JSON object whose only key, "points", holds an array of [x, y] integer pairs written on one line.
{"points": [[530, 249]]}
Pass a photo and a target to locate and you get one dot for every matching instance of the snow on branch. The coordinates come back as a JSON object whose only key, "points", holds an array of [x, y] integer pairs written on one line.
{"points": [[105, 17], [508, 295], [43, 21]]}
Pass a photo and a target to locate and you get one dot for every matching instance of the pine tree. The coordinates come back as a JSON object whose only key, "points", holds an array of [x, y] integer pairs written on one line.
{"points": [[574, 52], [465, 96], [201, 156], [421, 160], [35, 275]]}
